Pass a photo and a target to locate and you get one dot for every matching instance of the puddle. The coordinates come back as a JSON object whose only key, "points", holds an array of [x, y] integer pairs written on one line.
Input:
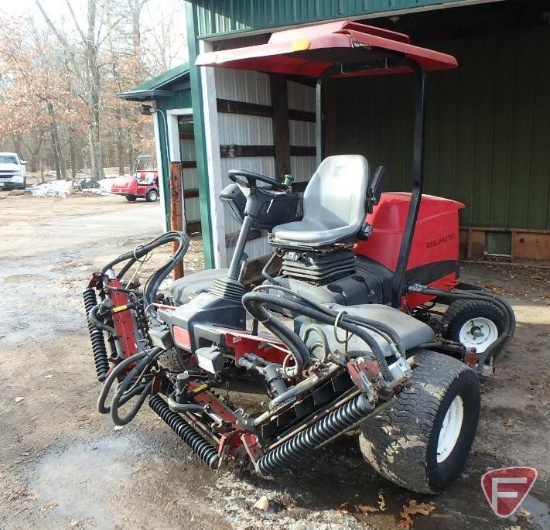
{"points": [[79, 480], [539, 512]]}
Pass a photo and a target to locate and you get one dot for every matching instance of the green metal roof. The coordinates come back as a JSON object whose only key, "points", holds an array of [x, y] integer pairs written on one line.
{"points": [[156, 87], [224, 17]]}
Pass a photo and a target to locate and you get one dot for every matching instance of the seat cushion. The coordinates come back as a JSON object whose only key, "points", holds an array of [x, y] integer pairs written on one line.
{"points": [[310, 234], [334, 204]]}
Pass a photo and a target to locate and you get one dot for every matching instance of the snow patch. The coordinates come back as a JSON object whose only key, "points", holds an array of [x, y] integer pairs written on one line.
{"points": [[64, 188], [55, 188]]}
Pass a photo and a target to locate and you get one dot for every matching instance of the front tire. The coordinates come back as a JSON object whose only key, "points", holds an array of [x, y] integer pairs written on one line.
{"points": [[421, 440]]}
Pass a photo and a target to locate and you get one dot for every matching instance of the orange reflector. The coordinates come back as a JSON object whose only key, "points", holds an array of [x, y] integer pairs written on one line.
{"points": [[181, 337], [300, 45]]}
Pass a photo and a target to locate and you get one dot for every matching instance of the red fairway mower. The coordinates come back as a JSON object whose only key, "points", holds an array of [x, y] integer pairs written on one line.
{"points": [[352, 332]]}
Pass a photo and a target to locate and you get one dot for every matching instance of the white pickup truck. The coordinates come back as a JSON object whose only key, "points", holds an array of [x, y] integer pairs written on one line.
{"points": [[12, 172]]}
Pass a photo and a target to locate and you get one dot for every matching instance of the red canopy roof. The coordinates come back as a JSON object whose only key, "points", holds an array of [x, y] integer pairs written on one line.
{"points": [[310, 51]]}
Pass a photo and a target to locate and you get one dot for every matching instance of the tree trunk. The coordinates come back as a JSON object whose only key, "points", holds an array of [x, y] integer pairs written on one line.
{"points": [[93, 93], [60, 171], [72, 153]]}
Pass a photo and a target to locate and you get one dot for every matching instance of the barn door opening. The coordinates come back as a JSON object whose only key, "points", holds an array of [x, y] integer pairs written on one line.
{"points": [[189, 170]]}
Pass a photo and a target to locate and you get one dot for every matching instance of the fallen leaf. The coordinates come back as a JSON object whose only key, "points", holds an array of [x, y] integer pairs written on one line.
{"points": [[365, 508], [414, 508], [262, 503], [405, 523], [343, 508], [49, 505], [382, 502], [508, 423]]}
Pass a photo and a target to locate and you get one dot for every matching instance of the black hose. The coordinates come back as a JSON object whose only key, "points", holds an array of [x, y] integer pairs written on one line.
{"points": [[153, 283], [301, 445], [374, 325], [99, 349], [503, 305], [94, 319], [174, 406], [139, 252], [131, 378], [254, 303], [186, 432], [113, 376], [255, 306]]}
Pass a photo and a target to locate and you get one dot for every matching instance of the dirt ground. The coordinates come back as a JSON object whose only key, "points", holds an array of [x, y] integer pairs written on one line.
{"points": [[63, 465]]}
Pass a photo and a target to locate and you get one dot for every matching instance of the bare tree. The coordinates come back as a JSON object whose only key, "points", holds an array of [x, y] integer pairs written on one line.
{"points": [[90, 77]]}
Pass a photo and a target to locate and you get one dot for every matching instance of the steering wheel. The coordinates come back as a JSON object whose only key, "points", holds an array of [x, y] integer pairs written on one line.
{"points": [[249, 179]]}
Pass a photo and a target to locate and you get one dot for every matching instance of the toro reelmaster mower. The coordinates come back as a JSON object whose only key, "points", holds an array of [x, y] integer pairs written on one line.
{"points": [[365, 328]]}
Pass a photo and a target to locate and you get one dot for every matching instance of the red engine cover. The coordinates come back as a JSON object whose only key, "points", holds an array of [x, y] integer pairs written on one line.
{"points": [[436, 236]]}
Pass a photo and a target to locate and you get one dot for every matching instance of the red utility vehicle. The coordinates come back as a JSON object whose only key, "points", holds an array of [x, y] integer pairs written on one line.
{"points": [[365, 328], [143, 184]]}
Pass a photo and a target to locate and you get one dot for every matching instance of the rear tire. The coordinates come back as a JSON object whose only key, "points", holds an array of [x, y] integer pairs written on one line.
{"points": [[172, 361], [130, 198], [473, 323], [152, 196], [421, 440]]}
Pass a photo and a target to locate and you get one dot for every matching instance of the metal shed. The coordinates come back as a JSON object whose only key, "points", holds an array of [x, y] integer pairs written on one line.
{"points": [[488, 123], [168, 98]]}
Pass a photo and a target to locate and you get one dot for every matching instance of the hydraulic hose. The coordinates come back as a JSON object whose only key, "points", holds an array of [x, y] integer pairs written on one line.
{"points": [[99, 349], [129, 387], [255, 301], [93, 317], [123, 391], [304, 442], [378, 327], [503, 305], [102, 408], [153, 283]]}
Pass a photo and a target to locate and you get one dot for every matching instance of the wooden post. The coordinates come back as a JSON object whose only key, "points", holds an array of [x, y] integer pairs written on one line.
{"points": [[177, 221], [281, 141]]}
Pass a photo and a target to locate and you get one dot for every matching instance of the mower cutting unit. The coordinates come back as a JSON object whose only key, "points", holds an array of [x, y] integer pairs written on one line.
{"points": [[365, 326]]}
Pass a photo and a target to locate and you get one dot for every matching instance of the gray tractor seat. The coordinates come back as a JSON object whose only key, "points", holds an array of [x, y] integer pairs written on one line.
{"points": [[334, 204]]}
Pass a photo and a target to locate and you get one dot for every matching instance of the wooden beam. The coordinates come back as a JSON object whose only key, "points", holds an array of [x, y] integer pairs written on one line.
{"points": [[281, 132], [228, 106], [245, 151]]}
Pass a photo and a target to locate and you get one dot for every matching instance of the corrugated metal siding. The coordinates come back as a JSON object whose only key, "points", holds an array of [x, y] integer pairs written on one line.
{"points": [[238, 129], [231, 16], [302, 133], [488, 128], [190, 181]]}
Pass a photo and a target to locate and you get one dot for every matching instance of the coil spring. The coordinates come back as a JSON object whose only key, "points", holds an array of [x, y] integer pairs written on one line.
{"points": [[186, 432], [96, 336], [335, 423]]}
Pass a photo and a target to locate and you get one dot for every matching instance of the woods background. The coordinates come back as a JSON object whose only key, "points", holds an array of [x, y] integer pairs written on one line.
{"points": [[61, 65]]}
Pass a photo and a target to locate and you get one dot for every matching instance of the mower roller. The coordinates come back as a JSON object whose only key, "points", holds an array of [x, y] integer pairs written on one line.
{"points": [[365, 327]]}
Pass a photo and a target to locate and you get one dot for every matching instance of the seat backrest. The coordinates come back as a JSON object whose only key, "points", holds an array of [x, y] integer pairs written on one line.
{"points": [[335, 195]]}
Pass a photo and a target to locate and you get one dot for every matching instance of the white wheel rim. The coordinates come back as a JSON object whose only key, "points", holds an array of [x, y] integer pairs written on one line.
{"points": [[450, 429], [478, 333]]}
